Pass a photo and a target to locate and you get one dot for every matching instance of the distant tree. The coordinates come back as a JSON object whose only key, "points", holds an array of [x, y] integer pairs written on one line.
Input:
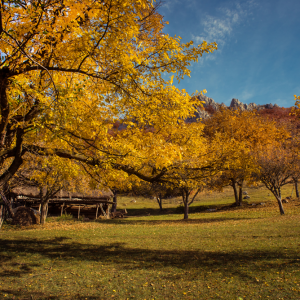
{"points": [[244, 131], [276, 169]]}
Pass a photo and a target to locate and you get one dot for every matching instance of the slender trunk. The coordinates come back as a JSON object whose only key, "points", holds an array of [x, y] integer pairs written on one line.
{"points": [[43, 217], [240, 196], [186, 210], [240, 193], [296, 187], [277, 194], [280, 206], [236, 197], [159, 201], [115, 200], [185, 198]]}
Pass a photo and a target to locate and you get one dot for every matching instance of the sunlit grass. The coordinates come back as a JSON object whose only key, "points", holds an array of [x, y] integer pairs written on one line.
{"points": [[245, 253]]}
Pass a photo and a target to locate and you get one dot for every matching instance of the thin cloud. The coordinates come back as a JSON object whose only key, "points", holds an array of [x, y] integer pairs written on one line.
{"points": [[219, 29], [246, 95], [171, 4]]}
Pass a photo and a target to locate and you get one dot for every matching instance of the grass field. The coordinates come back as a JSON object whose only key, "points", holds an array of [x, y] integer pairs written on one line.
{"points": [[240, 253]]}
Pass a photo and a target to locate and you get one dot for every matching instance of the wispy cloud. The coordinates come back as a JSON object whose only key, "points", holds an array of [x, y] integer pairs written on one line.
{"points": [[220, 28], [172, 4], [246, 95]]}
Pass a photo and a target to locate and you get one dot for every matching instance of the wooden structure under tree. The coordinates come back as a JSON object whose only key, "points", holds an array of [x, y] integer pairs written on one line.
{"points": [[64, 202]]}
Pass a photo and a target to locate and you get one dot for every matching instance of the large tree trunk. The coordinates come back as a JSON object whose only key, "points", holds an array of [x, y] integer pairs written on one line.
{"points": [[43, 217], [236, 196]]}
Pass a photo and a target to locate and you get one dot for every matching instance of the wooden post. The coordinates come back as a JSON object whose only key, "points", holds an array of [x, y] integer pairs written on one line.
{"points": [[40, 208], [78, 212], [97, 206], [107, 212], [62, 209], [104, 214]]}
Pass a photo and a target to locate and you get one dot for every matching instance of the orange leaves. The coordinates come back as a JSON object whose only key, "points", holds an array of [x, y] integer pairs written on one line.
{"points": [[90, 64], [295, 110]]}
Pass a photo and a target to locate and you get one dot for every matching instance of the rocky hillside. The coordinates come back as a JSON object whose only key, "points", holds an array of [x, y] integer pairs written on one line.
{"points": [[209, 106]]}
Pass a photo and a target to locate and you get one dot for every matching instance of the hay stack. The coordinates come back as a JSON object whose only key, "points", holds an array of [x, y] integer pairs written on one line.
{"points": [[25, 216]]}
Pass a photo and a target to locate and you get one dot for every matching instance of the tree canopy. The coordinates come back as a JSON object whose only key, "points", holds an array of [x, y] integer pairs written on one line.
{"points": [[70, 69]]}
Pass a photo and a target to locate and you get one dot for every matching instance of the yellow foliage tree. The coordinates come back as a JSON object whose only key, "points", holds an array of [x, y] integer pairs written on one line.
{"points": [[277, 167], [246, 132], [197, 160], [70, 69]]}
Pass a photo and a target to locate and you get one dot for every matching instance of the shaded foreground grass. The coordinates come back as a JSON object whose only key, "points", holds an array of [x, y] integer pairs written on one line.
{"points": [[239, 254]]}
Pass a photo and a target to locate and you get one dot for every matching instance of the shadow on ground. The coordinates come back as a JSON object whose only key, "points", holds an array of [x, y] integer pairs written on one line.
{"points": [[128, 221], [67, 249]]}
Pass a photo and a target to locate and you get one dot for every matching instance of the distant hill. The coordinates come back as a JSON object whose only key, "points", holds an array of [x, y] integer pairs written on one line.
{"points": [[210, 106]]}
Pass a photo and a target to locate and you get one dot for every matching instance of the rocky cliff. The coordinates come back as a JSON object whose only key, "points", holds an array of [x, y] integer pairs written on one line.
{"points": [[209, 105]]}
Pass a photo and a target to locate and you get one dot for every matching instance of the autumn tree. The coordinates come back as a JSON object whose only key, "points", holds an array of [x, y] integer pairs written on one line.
{"points": [[245, 131], [293, 146], [198, 160], [70, 70], [276, 169]]}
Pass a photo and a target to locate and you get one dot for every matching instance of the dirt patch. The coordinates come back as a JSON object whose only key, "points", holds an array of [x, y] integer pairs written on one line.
{"points": [[24, 216]]}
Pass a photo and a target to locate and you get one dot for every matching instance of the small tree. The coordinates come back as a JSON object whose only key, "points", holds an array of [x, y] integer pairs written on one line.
{"points": [[276, 170]]}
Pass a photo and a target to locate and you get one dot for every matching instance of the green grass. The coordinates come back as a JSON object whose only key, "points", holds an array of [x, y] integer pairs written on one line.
{"points": [[247, 253]]}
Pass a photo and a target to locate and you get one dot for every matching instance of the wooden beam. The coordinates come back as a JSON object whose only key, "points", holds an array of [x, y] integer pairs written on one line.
{"points": [[73, 202], [70, 197]]}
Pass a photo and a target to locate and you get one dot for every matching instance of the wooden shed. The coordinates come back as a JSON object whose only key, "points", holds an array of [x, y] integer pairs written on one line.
{"points": [[91, 204]]}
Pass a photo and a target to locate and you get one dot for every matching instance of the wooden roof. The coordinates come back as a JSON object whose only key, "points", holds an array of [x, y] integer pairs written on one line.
{"points": [[31, 191]]}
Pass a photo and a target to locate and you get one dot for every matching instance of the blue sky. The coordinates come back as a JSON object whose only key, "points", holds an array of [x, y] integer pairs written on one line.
{"points": [[258, 48]]}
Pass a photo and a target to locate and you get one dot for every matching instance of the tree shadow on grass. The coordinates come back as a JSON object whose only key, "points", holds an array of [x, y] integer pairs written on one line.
{"points": [[236, 263], [128, 221]]}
